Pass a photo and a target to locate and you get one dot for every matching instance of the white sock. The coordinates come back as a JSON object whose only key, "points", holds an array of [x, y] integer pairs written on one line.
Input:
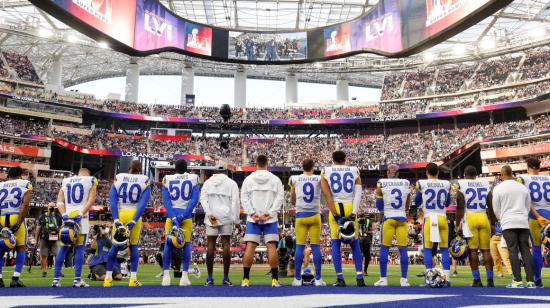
{"points": [[166, 273], [16, 274], [109, 275], [184, 273], [384, 278], [133, 275], [0, 276]]}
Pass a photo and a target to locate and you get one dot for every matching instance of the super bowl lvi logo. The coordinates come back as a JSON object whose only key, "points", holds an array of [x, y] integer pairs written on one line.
{"points": [[101, 9]]}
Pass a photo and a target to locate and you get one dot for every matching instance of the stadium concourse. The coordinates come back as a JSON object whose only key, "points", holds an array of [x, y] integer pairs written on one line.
{"points": [[346, 200]]}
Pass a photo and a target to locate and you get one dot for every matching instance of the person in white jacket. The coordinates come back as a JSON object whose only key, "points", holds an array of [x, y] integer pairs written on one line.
{"points": [[511, 204], [220, 201], [262, 195]]}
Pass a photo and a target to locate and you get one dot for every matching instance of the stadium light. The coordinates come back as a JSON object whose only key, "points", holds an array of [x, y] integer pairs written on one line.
{"points": [[487, 44], [459, 50], [43, 32], [428, 57], [103, 45]]}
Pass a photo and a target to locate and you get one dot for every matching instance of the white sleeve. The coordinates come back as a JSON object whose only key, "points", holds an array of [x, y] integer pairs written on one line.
{"points": [[204, 200], [236, 204], [357, 194], [278, 201], [496, 204], [245, 199]]}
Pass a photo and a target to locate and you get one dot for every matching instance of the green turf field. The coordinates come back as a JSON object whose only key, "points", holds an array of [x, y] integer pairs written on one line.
{"points": [[147, 275]]}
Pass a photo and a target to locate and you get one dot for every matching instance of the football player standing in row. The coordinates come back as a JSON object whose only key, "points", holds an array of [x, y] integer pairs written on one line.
{"points": [[392, 198], [15, 196], [342, 189], [76, 196], [473, 222], [129, 196], [305, 195], [180, 194], [539, 216], [262, 196], [221, 203], [433, 196]]}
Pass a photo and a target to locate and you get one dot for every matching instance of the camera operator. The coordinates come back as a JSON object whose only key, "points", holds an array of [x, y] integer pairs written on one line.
{"points": [[100, 246], [47, 235]]}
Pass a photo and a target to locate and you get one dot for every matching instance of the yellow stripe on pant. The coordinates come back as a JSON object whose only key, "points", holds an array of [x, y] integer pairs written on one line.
{"points": [[21, 234], [125, 216], [348, 210]]}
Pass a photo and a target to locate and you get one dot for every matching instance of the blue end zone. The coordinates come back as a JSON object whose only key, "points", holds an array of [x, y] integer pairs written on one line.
{"points": [[280, 297]]}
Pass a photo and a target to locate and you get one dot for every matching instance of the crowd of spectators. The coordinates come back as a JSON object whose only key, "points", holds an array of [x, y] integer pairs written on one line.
{"points": [[494, 72], [13, 126], [22, 66], [536, 65], [451, 80]]}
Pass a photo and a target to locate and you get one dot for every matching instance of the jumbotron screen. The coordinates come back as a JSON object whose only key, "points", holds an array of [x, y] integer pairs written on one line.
{"points": [[391, 28]]}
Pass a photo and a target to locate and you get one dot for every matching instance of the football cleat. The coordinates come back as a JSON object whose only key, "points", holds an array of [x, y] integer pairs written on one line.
{"points": [[361, 282], [80, 284], [490, 283], [16, 283], [44, 274], [275, 283], [56, 284], [209, 283], [539, 283], [383, 282], [404, 282], [477, 283], [108, 282], [531, 285], [515, 285], [455, 274], [134, 283], [227, 283], [166, 282], [319, 283], [245, 283], [184, 281], [339, 283], [297, 282]]}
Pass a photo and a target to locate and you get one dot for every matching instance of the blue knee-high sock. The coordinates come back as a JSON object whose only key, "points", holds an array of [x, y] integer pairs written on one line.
{"points": [[134, 258], [79, 260], [19, 261], [59, 259], [475, 274], [186, 256], [357, 258], [445, 258], [428, 260], [384, 251], [337, 258], [298, 259], [111, 258], [537, 261], [490, 275], [317, 259], [166, 257], [404, 262]]}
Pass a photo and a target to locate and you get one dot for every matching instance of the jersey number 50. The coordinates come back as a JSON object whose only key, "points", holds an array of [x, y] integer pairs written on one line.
{"points": [[183, 191]]}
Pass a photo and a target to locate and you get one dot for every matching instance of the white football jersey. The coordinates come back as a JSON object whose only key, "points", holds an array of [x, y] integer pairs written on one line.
{"points": [[308, 192], [475, 194], [129, 188], [180, 187], [434, 195], [341, 180], [539, 189], [11, 195], [76, 190], [395, 193]]}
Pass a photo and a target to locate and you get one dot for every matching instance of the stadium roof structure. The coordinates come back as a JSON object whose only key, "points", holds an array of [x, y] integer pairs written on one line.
{"points": [[24, 28]]}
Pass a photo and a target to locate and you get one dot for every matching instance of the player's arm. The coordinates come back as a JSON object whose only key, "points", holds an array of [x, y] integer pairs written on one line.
{"points": [[490, 212], [418, 196], [167, 202], [113, 201], [357, 194], [24, 210], [245, 201], [379, 197], [195, 196], [91, 198], [278, 202], [495, 205], [145, 196], [236, 204], [292, 193], [325, 189], [61, 202], [460, 208]]}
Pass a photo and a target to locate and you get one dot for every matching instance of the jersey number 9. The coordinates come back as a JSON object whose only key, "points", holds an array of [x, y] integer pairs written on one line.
{"points": [[309, 192]]}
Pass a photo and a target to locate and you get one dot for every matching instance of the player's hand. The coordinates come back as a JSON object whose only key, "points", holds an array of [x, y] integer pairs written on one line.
{"points": [[131, 225], [265, 217], [542, 221], [15, 228], [213, 220], [255, 217], [118, 223]]}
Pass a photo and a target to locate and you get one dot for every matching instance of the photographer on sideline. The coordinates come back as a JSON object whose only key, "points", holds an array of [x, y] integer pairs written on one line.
{"points": [[47, 235], [97, 263]]}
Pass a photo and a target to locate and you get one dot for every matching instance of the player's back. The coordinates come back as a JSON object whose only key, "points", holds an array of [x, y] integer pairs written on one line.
{"points": [[435, 195], [11, 195], [76, 190], [341, 180], [475, 194], [539, 189], [308, 192], [395, 193], [180, 187], [130, 188]]}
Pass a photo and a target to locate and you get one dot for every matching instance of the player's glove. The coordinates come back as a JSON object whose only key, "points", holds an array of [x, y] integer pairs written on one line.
{"points": [[118, 223], [337, 218], [65, 218], [131, 225], [542, 221]]}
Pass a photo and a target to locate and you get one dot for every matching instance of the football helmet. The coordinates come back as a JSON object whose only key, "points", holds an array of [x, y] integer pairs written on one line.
{"points": [[346, 229], [69, 232], [545, 236], [121, 237], [435, 278], [196, 271], [7, 240], [176, 238], [459, 249]]}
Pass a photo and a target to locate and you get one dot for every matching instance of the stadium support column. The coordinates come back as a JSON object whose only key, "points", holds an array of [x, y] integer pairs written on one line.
{"points": [[132, 82], [55, 73], [291, 88], [342, 89], [240, 87], [187, 82]]}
